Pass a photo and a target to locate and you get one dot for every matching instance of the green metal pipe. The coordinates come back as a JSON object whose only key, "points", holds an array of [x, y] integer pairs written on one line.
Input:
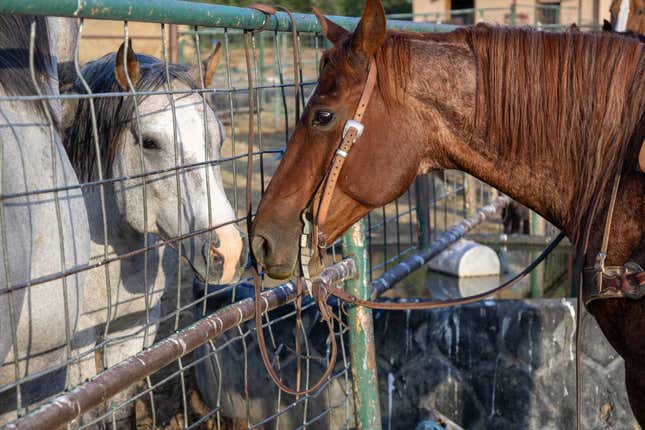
{"points": [[361, 333], [188, 13]]}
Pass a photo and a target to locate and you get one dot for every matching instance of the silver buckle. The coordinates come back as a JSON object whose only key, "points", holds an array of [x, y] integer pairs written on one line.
{"points": [[352, 123]]}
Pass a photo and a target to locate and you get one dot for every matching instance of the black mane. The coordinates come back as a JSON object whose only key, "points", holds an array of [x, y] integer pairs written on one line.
{"points": [[113, 114], [15, 78]]}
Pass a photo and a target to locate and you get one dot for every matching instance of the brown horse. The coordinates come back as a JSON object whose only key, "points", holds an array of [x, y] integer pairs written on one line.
{"points": [[543, 117], [628, 16]]}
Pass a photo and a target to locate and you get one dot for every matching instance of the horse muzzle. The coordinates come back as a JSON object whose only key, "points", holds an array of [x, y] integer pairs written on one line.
{"points": [[223, 256]]}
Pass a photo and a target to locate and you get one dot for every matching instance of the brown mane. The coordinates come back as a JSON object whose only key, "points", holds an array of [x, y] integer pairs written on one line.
{"points": [[573, 98]]}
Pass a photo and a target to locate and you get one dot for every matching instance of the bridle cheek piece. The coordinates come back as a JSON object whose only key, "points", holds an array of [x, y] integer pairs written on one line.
{"points": [[313, 240]]}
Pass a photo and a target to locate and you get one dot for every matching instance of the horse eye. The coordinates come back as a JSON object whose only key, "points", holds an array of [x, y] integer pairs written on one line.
{"points": [[150, 143], [323, 117]]}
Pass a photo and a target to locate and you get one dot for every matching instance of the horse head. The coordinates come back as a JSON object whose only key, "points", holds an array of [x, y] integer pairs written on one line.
{"points": [[175, 141]]}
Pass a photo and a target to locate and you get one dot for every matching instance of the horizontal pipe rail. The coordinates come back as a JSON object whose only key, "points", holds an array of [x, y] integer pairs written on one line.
{"points": [[69, 406], [443, 242], [189, 13]]}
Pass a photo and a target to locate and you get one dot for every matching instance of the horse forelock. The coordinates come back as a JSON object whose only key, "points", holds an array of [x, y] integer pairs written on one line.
{"points": [[114, 114], [392, 61]]}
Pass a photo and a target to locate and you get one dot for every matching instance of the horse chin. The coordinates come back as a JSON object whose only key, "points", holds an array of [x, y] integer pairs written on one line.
{"points": [[215, 277], [279, 272]]}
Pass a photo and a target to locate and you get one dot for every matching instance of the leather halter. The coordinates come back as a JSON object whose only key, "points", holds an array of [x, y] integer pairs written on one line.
{"points": [[608, 282], [352, 131]]}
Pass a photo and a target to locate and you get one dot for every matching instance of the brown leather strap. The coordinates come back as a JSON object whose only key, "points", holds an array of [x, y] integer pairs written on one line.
{"points": [[329, 185], [265, 9], [257, 282], [270, 11], [599, 280], [432, 304]]}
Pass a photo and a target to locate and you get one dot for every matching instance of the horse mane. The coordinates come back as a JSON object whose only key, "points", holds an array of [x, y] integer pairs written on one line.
{"points": [[575, 99], [15, 77], [114, 113]]}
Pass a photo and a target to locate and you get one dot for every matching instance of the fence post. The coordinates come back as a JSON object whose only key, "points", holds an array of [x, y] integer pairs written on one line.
{"points": [[361, 333], [513, 14], [173, 44], [470, 196], [422, 194], [538, 228]]}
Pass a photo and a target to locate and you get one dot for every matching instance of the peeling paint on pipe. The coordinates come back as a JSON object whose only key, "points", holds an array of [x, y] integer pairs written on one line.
{"points": [[361, 333]]}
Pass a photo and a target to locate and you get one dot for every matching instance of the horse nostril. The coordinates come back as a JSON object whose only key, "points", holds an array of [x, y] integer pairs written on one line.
{"points": [[260, 247], [215, 255]]}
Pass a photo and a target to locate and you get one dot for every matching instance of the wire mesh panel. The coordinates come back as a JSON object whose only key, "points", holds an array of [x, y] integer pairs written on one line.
{"points": [[157, 149], [147, 208]]}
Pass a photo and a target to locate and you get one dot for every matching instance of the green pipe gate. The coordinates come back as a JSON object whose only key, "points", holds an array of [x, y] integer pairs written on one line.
{"points": [[376, 243]]}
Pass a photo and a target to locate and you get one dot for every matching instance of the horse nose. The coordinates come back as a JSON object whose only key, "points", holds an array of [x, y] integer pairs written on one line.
{"points": [[260, 247], [214, 257], [225, 254], [265, 252]]}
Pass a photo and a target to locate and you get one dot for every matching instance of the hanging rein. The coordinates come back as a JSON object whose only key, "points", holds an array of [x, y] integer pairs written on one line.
{"points": [[313, 241]]}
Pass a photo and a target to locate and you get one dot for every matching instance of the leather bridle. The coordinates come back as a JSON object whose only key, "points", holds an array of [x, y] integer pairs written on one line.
{"points": [[312, 239]]}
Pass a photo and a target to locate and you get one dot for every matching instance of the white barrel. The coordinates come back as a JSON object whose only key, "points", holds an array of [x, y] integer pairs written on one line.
{"points": [[467, 259]]}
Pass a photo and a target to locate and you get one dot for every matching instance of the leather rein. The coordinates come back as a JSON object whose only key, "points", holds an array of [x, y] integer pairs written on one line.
{"points": [[312, 241]]}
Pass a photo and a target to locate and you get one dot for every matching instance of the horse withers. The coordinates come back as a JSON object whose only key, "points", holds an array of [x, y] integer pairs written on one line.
{"points": [[538, 115]]}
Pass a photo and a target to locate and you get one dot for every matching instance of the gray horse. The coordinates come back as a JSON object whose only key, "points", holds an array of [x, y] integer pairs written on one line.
{"points": [[121, 305], [43, 234]]}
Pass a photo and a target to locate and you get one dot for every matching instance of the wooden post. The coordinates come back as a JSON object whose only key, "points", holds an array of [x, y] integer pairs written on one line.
{"points": [[173, 44], [538, 228]]}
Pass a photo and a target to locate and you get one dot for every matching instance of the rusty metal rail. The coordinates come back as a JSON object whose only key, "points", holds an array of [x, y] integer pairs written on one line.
{"points": [[69, 406]]}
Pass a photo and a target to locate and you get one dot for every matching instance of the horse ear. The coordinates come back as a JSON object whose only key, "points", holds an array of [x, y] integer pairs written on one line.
{"points": [[606, 26], [209, 66], [370, 32], [330, 30], [134, 71]]}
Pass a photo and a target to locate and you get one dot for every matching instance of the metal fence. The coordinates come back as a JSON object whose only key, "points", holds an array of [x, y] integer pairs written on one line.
{"points": [[169, 349]]}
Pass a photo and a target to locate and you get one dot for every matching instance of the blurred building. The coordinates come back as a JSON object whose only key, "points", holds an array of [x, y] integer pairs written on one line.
{"points": [[542, 13]]}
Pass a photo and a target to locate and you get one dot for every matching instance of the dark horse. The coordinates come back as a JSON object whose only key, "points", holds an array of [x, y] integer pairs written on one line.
{"points": [[541, 116]]}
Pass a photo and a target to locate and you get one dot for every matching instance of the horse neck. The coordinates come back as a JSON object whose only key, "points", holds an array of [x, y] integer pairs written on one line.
{"points": [[446, 100]]}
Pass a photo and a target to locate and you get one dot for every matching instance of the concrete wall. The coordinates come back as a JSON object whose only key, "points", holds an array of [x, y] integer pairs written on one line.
{"points": [[506, 364], [498, 364]]}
